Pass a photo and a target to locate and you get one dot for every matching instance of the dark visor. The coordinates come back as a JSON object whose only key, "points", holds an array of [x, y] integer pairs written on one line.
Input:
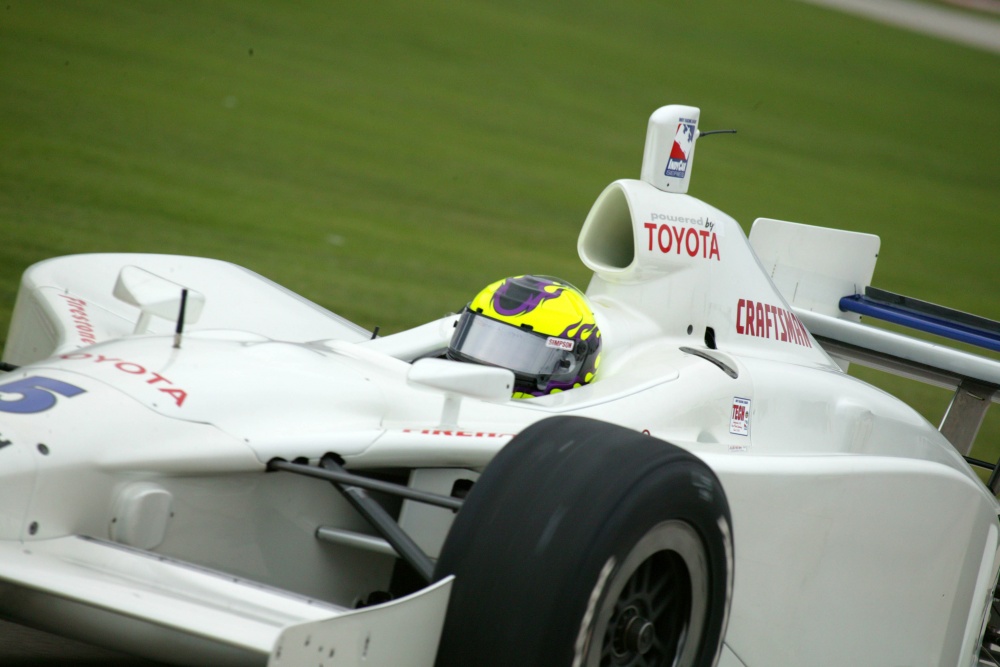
{"points": [[487, 341]]}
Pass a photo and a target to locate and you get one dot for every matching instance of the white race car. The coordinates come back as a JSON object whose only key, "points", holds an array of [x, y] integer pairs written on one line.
{"points": [[201, 467]]}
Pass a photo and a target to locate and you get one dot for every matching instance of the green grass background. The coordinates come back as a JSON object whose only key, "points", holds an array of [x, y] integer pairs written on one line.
{"points": [[386, 159]]}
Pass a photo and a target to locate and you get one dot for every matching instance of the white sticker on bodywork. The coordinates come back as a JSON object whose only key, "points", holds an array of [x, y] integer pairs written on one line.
{"points": [[739, 420]]}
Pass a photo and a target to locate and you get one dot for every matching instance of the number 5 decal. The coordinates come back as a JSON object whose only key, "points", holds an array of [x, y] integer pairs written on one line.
{"points": [[37, 394]]}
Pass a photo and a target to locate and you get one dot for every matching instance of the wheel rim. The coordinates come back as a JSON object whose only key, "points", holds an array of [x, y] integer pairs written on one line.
{"points": [[652, 611]]}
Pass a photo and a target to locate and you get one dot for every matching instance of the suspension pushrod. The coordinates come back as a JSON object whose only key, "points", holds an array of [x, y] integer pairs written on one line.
{"points": [[341, 476], [381, 520]]}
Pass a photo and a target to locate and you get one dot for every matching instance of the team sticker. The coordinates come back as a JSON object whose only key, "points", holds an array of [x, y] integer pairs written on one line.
{"points": [[739, 422]]}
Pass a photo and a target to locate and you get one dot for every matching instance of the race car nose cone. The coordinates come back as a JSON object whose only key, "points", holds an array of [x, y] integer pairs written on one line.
{"points": [[17, 476]]}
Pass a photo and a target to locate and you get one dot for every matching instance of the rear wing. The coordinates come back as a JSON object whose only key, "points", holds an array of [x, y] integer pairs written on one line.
{"points": [[925, 316], [824, 274]]}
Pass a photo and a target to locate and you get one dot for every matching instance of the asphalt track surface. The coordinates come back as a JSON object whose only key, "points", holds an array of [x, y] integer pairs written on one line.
{"points": [[23, 647]]}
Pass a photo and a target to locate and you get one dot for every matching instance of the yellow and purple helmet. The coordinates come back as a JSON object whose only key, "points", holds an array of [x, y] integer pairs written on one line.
{"points": [[540, 328]]}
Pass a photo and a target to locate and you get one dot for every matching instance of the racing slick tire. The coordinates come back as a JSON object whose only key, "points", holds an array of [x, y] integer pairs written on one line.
{"points": [[586, 544]]}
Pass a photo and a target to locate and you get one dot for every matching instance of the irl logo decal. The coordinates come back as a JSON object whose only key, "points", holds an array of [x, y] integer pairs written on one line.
{"points": [[34, 394], [680, 152]]}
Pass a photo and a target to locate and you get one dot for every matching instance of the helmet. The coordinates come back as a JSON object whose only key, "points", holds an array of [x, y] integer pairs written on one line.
{"points": [[541, 328]]}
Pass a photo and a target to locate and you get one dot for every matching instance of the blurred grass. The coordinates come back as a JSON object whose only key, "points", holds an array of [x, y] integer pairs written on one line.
{"points": [[388, 159]]}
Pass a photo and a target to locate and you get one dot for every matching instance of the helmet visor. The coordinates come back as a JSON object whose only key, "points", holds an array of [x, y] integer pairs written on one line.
{"points": [[529, 354]]}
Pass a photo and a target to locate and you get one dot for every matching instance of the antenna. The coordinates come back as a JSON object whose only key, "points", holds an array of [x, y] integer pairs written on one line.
{"points": [[180, 319], [705, 134]]}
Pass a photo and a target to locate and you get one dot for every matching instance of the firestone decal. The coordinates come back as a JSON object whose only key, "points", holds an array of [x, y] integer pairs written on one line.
{"points": [[81, 321], [461, 434], [762, 320], [131, 368]]}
